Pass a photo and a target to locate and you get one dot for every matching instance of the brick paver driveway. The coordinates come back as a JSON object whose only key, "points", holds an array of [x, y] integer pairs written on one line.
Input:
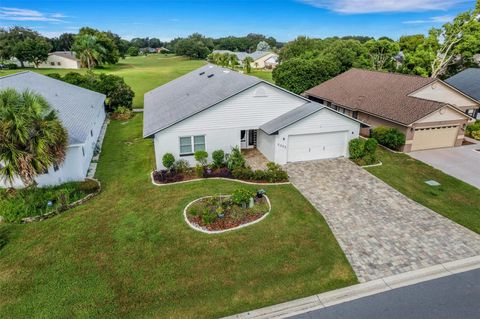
{"points": [[381, 231]]}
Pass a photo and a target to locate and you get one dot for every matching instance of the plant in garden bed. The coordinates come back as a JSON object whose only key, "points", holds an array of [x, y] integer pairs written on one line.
{"points": [[225, 212], [389, 137], [363, 151], [16, 204], [473, 130]]}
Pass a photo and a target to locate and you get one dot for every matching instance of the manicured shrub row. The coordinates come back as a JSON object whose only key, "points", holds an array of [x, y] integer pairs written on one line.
{"points": [[16, 204], [389, 137], [363, 151], [473, 130], [223, 165]]}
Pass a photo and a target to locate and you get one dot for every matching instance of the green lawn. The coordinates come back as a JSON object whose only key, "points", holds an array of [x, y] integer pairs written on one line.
{"points": [[141, 73], [263, 74], [454, 199], [128, 253]]}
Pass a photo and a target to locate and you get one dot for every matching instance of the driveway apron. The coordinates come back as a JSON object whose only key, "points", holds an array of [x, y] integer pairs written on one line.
{"points": [[381, 231]]}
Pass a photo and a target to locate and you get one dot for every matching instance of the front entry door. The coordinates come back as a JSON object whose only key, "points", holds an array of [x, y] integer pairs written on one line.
{"points": [[243, 139], [248, 138]]}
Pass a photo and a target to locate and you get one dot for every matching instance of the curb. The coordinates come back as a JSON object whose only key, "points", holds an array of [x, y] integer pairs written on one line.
{"points": [[330, 298]]}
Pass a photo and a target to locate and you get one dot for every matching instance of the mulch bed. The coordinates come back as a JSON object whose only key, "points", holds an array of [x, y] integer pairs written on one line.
{"points": [[224, 223]]}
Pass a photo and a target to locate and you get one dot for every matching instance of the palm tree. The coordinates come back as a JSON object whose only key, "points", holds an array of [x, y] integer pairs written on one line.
{"points": [[247, 64], [233, 60], [88, 50], [32, 137]]}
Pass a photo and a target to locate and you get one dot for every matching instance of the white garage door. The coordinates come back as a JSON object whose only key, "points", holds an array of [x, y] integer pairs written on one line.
{"points": [[434, 137], [316, 146]]}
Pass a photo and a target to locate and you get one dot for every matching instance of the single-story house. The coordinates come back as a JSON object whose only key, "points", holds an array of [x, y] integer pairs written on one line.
{"points": [[214, 108], [55, 60], [162, 50], [430, 112], [468, 82], [261, 59], [81, 112]]}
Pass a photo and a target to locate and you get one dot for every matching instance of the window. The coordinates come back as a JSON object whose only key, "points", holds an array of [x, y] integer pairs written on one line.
{"points": [[191, 144], [52, 63], [55, 167], [58, 63], [355, 114]]}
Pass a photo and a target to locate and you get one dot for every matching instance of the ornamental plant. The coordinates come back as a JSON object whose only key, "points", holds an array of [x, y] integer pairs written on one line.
{"points": [[201, 157], [168, 160]]}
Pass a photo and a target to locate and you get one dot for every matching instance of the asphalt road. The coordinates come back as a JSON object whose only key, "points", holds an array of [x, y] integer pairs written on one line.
{"points": [[452, 297]]}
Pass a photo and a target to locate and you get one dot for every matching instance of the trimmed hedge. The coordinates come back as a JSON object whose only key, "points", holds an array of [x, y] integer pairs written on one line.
{"points": [[389, 137], [363, 151]]}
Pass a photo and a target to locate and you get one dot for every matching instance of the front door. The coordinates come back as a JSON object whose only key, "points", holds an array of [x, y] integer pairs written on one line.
{"points": [[248, 138], [243, 139]]}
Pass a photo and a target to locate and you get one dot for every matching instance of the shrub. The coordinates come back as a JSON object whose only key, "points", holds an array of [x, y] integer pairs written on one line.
{"points": [[244, 173], [208, 216], [389, 137], [181, 166], [259, 175], [473, 130], [88, 186], [356, 147], [218, 158], [168, 160], [199, 170], [201, 157], [371, 146], [122, 113], [241, 196], [274, 173], [235, 159]]}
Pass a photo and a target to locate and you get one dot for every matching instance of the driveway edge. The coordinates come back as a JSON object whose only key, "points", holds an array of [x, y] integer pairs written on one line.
{"points": [[330, 298]]}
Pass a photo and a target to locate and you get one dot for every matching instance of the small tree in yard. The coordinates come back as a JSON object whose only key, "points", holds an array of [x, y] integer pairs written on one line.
{"points": [[168, 160], [247, 64], [201, 157], [218, 157], [32, 137]]}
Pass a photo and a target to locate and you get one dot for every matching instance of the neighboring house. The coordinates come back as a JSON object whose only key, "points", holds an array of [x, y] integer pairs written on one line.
{"points": [[261, 59], [162, 50], [428, 111], [81, 112], [214, 108], [468, 81], [61, 60], [148, 50]]}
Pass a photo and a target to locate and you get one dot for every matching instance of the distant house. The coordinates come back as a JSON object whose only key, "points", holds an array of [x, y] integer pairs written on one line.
{"points": [[162, 50], [148, 50], [430, 112], [214, 108], [468, 81], [55, 60], [81, 112], [261, 59]]}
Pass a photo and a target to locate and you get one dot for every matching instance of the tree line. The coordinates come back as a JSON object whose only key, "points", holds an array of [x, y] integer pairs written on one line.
{"points": [[307, 62]]}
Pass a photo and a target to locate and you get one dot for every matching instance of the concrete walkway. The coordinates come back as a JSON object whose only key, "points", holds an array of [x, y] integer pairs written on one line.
{"points": [[381, 231], [461, 162]]}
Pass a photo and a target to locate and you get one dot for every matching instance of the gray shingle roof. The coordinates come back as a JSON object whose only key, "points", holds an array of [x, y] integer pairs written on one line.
{"points": [[190, 94], [467, 81], [77, 107], [66, 54], [291, 117]]}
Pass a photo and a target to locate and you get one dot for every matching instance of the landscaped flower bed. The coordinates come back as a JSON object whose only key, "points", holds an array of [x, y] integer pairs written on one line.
{"points": [[225, 166], [224, 212], [19, 204]]}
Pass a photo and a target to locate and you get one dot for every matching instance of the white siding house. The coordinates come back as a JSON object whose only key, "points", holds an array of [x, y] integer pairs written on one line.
{"points": [[213, 108], [81, 112], [61, 60]]}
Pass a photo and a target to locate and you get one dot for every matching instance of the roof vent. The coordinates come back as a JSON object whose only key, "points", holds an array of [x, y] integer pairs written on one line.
{"points": [[226, 71], [202, 73], [210, 75]]}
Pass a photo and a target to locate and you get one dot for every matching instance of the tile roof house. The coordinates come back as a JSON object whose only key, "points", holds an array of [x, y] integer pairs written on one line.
{"points": [[428, 111], [261, 59], [214, 108], [81, 112]]}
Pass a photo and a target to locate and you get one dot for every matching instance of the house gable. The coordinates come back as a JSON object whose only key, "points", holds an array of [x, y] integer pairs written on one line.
{"points": [[443, 114], [441, 92]]}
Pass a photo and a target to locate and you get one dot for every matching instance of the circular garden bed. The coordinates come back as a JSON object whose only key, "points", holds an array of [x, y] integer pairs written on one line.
{"points": [[220, 213]]}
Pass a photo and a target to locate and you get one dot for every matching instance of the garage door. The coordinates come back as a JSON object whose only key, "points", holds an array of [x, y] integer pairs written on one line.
{"points": [[434, 137], [316, 146]]}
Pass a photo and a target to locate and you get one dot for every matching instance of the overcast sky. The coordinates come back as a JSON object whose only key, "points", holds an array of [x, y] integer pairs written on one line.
{"points": [[282, 19]]}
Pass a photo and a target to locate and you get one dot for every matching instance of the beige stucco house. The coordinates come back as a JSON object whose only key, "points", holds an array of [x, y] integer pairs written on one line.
{"points": [[261, 59], [430, 112], [61, 60]]}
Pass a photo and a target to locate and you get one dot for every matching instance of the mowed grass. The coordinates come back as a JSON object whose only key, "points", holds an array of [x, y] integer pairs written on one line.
{"points": [[128, 253], [142, 73], [454, 199]]}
